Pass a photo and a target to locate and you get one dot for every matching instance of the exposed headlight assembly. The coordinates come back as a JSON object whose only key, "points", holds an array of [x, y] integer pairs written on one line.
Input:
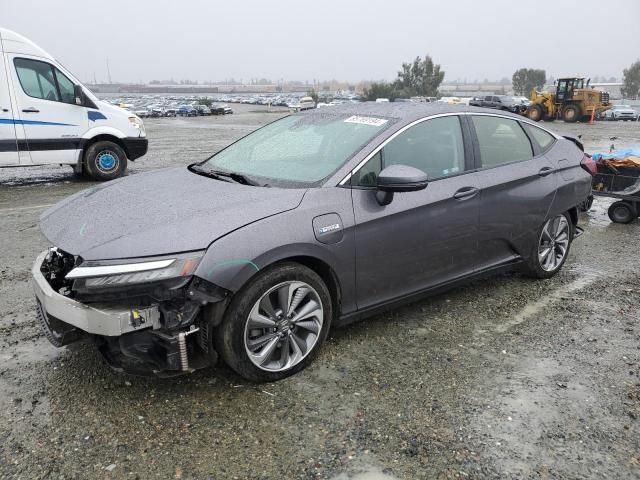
{"points": [[118, 273]]}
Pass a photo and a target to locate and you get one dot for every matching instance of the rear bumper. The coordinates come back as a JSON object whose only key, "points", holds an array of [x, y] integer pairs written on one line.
{"points": [[97, 320], [135, 147]]}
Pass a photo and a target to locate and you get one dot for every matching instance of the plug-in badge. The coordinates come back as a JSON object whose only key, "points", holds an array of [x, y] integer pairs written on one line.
{"points": [[328, 228]]}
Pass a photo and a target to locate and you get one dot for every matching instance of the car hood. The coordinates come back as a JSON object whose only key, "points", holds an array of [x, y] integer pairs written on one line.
{"points": [[162, 212]]}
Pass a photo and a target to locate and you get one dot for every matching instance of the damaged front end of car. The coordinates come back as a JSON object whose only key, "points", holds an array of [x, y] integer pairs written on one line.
{"points": [[147, 315]]}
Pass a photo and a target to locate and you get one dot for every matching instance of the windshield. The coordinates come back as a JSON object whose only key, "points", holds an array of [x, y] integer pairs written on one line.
{"points": [[298, 150], [622, 107]]}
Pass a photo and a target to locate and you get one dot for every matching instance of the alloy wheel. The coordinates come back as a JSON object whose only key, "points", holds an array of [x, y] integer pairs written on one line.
{"points": [[554, 243], [283, 326]]}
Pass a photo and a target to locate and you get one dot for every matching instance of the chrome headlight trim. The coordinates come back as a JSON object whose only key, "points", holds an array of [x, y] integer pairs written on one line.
{"points": [[103, 270], [124, 272]]}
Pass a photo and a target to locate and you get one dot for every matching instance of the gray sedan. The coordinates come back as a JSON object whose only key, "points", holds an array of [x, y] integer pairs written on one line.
{"points": [[312, 221]]}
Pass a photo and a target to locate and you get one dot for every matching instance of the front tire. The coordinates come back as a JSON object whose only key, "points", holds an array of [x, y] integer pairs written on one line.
{"points": [[535, 113], [105, 161], [276, 324], [552, 247]]}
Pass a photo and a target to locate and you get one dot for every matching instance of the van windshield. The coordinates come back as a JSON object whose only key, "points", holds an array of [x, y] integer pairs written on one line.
{"points": [[298, 150]]}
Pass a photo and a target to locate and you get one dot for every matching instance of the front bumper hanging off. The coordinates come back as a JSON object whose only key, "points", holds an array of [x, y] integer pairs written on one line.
{"points": [[131, 338], [98, 320]]}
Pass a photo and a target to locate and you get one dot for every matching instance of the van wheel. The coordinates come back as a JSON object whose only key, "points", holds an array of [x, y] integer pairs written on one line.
{"points": [[551, 247], [105, 161], [276, 324]]}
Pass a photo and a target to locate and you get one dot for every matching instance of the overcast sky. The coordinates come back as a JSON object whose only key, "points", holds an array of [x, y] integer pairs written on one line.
{"points": [[344, 39]]}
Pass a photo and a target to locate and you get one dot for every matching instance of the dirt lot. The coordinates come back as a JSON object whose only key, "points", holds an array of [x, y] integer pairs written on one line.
{"points": [[505, 378]]}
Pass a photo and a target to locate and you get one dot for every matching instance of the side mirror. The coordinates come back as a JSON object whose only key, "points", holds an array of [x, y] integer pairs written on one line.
{"points": [[78, 93], [399, 178]]}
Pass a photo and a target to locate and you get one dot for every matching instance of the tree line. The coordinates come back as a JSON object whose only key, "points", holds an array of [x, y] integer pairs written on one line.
{"points": [[422, 77]]}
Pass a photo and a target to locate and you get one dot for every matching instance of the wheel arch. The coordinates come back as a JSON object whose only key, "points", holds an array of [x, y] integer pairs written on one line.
{"points": [[108, 137], [328, 275], [234, 274], [573, 215]]}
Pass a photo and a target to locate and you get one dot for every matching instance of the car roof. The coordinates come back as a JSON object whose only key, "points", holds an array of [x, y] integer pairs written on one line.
{"points": [[403, 112]]}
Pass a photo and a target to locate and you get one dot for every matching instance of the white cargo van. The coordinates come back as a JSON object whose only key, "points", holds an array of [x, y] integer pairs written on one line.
{"points": [[48, 117]]}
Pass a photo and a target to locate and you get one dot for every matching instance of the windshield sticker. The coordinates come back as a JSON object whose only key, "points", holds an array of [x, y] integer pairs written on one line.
{"points": [[374, 122]]}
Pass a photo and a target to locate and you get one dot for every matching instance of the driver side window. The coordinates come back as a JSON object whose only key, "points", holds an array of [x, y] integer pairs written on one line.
{"points": [[434, 146], [42, 80]]}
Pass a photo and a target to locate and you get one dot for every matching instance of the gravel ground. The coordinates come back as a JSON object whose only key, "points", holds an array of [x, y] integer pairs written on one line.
{"points": [[503, 378]]}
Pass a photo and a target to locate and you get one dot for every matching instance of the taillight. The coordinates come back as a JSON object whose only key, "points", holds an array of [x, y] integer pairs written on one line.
{"points": [[589, 164]]}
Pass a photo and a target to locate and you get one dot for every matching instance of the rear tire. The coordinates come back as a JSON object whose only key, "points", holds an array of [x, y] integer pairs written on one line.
{"points": [[104, 161], [571, 113], [551, 248], [622, 212], [257, 317]]}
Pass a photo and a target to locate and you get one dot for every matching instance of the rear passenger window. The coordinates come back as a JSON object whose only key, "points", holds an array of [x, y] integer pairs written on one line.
{"points": [[501, 141], [542, 138]]}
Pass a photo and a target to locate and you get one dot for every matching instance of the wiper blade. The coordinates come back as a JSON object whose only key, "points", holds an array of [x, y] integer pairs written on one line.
{"points": [[209, 173], [227, 176]]}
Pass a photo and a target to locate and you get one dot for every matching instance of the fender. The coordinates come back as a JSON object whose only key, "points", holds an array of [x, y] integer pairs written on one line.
{"points": [[103, 130], [234, 259]]}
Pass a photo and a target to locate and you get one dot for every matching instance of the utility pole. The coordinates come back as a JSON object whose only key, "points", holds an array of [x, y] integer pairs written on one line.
{"points": [[108, 72]]}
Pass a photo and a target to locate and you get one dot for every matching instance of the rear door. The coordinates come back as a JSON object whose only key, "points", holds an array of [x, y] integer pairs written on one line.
{"points": [[45, 99], [8, 142], [518, 185], [421, 239]]}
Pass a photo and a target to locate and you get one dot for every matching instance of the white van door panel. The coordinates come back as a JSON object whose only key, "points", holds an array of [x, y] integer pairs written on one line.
{"points": [[8, 142], [53, 124]]}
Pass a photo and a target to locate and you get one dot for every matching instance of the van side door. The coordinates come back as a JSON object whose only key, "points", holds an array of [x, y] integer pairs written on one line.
{"points": [[45, 99], [8, 142]]}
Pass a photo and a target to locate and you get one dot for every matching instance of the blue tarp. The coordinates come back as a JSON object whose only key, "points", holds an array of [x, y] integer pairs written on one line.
{"points": [[617, 154]]}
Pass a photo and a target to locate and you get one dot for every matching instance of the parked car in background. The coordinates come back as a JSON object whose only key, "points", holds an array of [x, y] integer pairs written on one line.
{"points": [[169, 112], [316, 219], [523, 100], [203, 109], [620, 112], [186, 111], [227, 109], [500, 102], [217, 109]]}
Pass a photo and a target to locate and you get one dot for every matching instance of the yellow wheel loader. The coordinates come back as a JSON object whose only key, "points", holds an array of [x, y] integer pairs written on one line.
{"points": [[573, 100]]}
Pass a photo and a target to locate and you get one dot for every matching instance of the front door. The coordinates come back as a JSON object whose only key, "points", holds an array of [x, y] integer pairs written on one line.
{"points": [[517, 189], [421, 239], [8, 143], [53, 123]]}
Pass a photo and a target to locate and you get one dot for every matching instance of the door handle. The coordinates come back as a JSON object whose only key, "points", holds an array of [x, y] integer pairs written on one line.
{"points": [[30, 110], [544, 171], [5, 110], [466, 192]]}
